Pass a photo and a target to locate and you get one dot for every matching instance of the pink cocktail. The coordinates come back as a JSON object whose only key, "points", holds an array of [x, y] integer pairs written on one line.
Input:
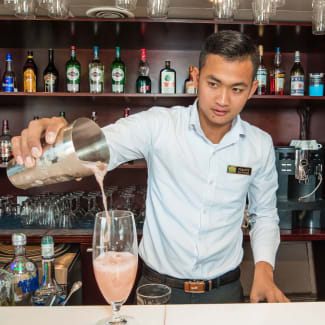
{"points": [[115, 259], [115, 273]]}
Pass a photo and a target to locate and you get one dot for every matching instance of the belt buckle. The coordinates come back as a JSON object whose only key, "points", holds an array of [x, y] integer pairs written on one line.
{"points": [[195, 286]]}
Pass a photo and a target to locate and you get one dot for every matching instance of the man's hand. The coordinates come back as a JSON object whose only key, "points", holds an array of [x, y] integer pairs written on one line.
{"points": [[264, 286], [27, 146]]}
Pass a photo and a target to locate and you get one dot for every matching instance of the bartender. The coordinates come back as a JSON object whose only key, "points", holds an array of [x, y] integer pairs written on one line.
{"points": [[203, 162]]}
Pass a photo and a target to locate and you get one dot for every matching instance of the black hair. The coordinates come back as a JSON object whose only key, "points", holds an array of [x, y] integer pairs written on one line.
{"points": [[231, 45]]}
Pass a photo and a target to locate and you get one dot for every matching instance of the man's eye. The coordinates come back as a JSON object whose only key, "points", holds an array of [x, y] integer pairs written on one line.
{"points": [[237, 90], [212, 84]]}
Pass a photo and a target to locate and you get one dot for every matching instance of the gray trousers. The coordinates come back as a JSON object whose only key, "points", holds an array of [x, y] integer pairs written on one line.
{"points": [[228, 293]]}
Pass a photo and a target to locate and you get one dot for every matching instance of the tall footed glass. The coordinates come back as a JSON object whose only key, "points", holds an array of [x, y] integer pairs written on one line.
{"points": [[115, 260]]}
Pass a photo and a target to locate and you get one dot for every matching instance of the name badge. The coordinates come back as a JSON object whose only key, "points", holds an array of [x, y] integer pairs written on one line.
{"points": [[239, 170]]}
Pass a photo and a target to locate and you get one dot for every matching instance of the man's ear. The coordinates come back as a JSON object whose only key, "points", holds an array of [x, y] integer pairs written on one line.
{"points": [[252, 91], [196, 76]]}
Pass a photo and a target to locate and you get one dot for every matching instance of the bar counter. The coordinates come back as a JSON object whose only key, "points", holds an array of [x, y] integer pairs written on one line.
{"points": [[301, 313]]}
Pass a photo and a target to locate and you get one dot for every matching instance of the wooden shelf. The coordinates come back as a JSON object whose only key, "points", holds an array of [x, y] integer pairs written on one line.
{"points": [[154, 95]]}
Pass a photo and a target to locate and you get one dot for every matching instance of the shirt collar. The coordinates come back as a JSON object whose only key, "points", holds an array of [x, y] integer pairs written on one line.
{"points": [[236, 130]]}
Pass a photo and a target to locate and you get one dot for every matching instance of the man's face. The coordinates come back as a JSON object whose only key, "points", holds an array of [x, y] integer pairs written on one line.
{"points": [[223, 89]]}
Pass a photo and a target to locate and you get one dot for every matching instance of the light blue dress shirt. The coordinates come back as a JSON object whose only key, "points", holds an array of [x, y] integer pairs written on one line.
{"points": [[194, 207]]}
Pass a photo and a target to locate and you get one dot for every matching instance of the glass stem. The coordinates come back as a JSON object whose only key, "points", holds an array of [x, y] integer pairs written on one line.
{"points": [[116, 317]]}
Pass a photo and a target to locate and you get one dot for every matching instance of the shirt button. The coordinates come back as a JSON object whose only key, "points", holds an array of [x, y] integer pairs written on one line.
{"points": [[211, 182], [204, 211]]}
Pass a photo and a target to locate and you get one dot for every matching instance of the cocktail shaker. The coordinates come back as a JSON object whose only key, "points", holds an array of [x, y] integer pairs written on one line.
{"points": [[81, 141]]}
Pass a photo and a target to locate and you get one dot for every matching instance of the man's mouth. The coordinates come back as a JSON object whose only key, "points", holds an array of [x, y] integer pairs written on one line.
{"points": [[218, 112]]}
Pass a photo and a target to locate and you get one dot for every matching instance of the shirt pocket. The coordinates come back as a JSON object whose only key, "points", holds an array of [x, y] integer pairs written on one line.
{"points": [[232, 189]]}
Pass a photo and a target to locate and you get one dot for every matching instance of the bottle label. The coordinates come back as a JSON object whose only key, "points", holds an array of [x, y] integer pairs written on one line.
{"points": [[73, 88], [279, 82], [117, 74], [168, 82], [47, 250], [144, 89], [49, 82], [189, 88], [261, 77], [29, 81], [8, 84], [297, 86], [28, 285], [96, 74], [119, 88], [6, 150], [73, 74]]}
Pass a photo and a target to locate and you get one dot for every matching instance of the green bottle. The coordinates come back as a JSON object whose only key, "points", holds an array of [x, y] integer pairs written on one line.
{"points": [[73, 72], [118, 73]]}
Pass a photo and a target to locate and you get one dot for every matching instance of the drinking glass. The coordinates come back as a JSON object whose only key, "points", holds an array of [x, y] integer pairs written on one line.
{"points": [[44, 3], [11, 4], [318, 17], [25, 9], [157, 8], [59, 9], [262, 10], [153, 294], [115, 260], [224, 9], [126, 4]]}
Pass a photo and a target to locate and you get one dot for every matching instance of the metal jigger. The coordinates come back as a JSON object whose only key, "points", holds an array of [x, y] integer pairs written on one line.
{"points": [[82, 140]]}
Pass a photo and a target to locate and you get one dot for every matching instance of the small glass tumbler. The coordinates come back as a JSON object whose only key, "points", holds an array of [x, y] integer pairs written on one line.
{"points": [[153, 294], [126, 4], [157, 8]]}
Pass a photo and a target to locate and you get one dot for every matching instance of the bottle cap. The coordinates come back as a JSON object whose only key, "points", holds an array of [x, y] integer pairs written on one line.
{"points": [[8, 57], [73, 47], [18, 239], [30, 53], [278, 49]]}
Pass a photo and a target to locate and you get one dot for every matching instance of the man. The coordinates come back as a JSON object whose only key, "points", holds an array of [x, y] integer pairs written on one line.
{"points": [[203, 161]]}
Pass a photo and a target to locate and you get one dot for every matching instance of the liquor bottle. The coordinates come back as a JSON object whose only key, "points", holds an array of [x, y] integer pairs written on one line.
{"points": [[167, 79], [5, 143], [94, 117], [49, 292], [277, 75], [189, 87], [36, 117], [143, 82], [73, 72], [118, 73], [96, 74], [62, 114], [126, 112], [261, 74], [297, 77], [51, 75], [30, 74], [24, 271], [9, 79]]}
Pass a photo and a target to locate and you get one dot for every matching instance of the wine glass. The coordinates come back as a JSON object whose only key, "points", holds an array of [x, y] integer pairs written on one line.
{"points": [[115, 259]]}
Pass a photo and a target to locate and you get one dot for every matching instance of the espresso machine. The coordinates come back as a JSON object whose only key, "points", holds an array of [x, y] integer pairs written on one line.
{"points": [[299, 196]]}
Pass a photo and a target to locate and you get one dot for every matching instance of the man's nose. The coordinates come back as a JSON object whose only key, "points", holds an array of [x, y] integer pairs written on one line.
{"points": [[223, 96]]}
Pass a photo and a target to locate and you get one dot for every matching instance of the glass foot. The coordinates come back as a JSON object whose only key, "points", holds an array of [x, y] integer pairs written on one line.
{"points": [[125, 320]]}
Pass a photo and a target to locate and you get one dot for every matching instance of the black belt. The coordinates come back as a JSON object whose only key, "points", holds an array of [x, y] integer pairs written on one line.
{"points": [[192, 286]]}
